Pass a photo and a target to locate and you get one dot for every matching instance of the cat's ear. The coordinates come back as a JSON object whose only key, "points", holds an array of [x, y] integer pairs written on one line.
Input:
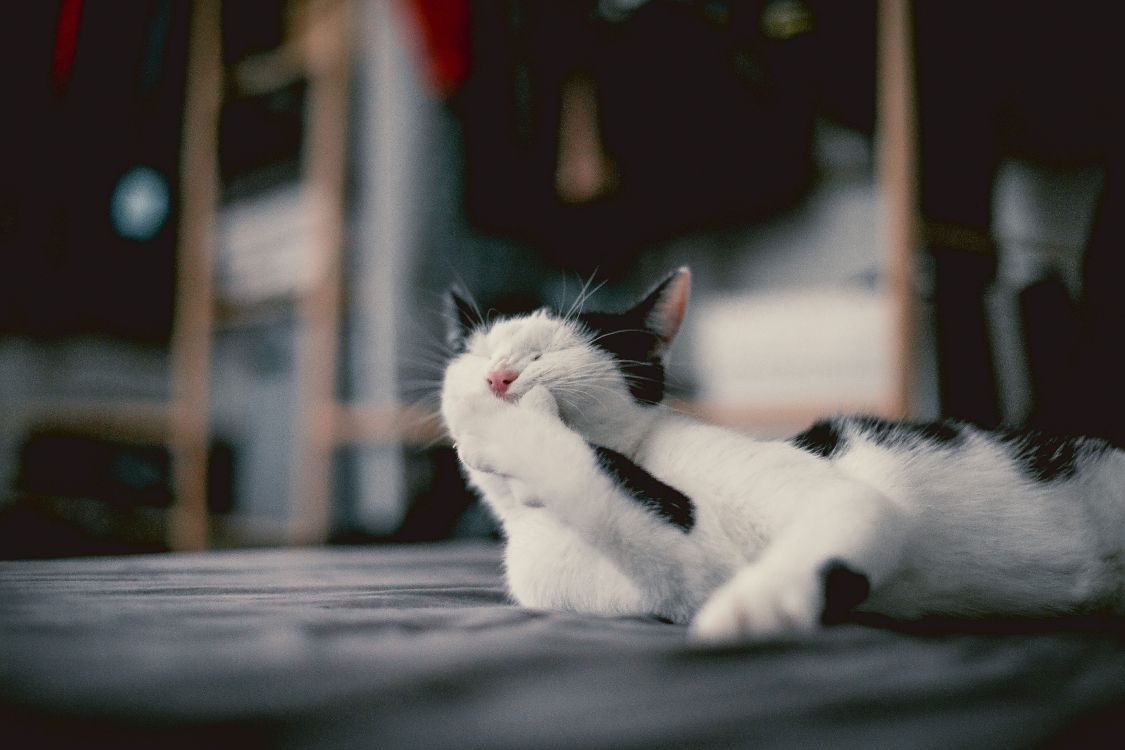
{"points": [[461, 317], [663, 310]]}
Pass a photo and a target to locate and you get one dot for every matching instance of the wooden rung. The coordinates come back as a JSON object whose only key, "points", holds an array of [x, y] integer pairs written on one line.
{"points": [[383, 424]]}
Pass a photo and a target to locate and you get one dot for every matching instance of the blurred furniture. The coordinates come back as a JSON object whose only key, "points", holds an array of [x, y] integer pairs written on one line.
{"points": [[380, 422], [316, 53], [419, 647], [314, 50], [1039, 83], [817, 318]]}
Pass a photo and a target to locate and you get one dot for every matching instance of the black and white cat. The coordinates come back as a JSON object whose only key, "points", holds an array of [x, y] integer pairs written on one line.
{"points": [[613, 504]]}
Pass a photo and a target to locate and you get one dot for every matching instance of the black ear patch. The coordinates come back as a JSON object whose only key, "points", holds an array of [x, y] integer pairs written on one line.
{"points": [[664, 500], [625, 338], [844, 590], [461, 317], [638, 337], [662, 310]]}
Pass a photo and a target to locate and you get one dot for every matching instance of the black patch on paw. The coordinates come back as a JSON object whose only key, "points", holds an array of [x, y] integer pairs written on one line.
{"points": [[822, 439], [1049, 458], [664, 500], [844, 590]]}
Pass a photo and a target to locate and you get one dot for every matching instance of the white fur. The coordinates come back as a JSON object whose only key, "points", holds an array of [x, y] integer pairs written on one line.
{"points": [[937, 530]]}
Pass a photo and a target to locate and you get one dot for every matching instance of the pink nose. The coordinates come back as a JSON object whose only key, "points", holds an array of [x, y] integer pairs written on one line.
{"points": [[499, 380]]}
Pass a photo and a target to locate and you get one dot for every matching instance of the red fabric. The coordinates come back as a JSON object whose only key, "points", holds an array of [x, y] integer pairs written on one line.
{"points": [[66, 43], [444, 31]]}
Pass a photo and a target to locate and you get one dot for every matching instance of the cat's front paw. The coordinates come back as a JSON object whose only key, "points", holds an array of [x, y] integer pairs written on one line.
{"points": [[541, 401], [756, 606], [462, 415], [480, 455], [469, 453], [516, 442], [500, 442]]}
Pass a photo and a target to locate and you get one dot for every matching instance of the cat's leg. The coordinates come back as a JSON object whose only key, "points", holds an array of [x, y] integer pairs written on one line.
{"points": [[617, 507], [838, 545], [511, 492], [505, 497]]}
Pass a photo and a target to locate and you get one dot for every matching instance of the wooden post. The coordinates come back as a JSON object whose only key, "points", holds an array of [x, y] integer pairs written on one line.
{"points": [[191, 334], [326, 52], [896, 131]]}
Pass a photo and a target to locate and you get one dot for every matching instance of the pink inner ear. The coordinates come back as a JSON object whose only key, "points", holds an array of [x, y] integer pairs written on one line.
{"points": [[669, 312]]}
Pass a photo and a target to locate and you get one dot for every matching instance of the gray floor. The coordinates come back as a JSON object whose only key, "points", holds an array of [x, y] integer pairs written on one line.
{"points": [[417, 647]]}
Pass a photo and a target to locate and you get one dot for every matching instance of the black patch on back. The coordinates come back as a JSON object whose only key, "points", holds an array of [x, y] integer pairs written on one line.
{"points": [[1041, 456], [665, 501], [1048, 458], [844, 590], [826, 438], [822, 439], [891, 432], [628, 340]]}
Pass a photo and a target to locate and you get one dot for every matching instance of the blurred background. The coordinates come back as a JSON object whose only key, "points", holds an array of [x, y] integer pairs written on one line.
{"points": [[226, 231]]}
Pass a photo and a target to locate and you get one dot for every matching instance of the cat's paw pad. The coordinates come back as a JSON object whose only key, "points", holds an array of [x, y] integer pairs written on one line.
{"points": [[754, 606]]}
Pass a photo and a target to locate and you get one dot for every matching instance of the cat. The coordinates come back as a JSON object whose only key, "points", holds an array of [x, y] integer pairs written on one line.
{"points": [[612, 504]]}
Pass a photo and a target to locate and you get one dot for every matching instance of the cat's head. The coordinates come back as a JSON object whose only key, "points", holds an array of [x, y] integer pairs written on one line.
{"points": [[595, 364]]}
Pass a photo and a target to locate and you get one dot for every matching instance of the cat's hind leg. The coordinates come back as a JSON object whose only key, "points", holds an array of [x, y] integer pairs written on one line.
{"points": [[823, 562]]}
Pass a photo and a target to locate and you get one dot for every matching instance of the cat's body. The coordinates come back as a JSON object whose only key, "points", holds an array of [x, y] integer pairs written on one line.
{"points": [[613, 504]]}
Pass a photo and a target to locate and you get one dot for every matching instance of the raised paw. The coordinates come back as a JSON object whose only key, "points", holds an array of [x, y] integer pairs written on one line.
{"points": [[756, 606], [540, 400], [523, 494], [480, 456], [519, 443]]}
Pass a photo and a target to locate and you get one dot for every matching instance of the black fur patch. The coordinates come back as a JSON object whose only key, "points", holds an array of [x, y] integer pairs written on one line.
{"points": [[822, 439], [844, 590], [826, 438], [460, 319], [892, 432], [1047, 458], [667, 502], [626, 338]]}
